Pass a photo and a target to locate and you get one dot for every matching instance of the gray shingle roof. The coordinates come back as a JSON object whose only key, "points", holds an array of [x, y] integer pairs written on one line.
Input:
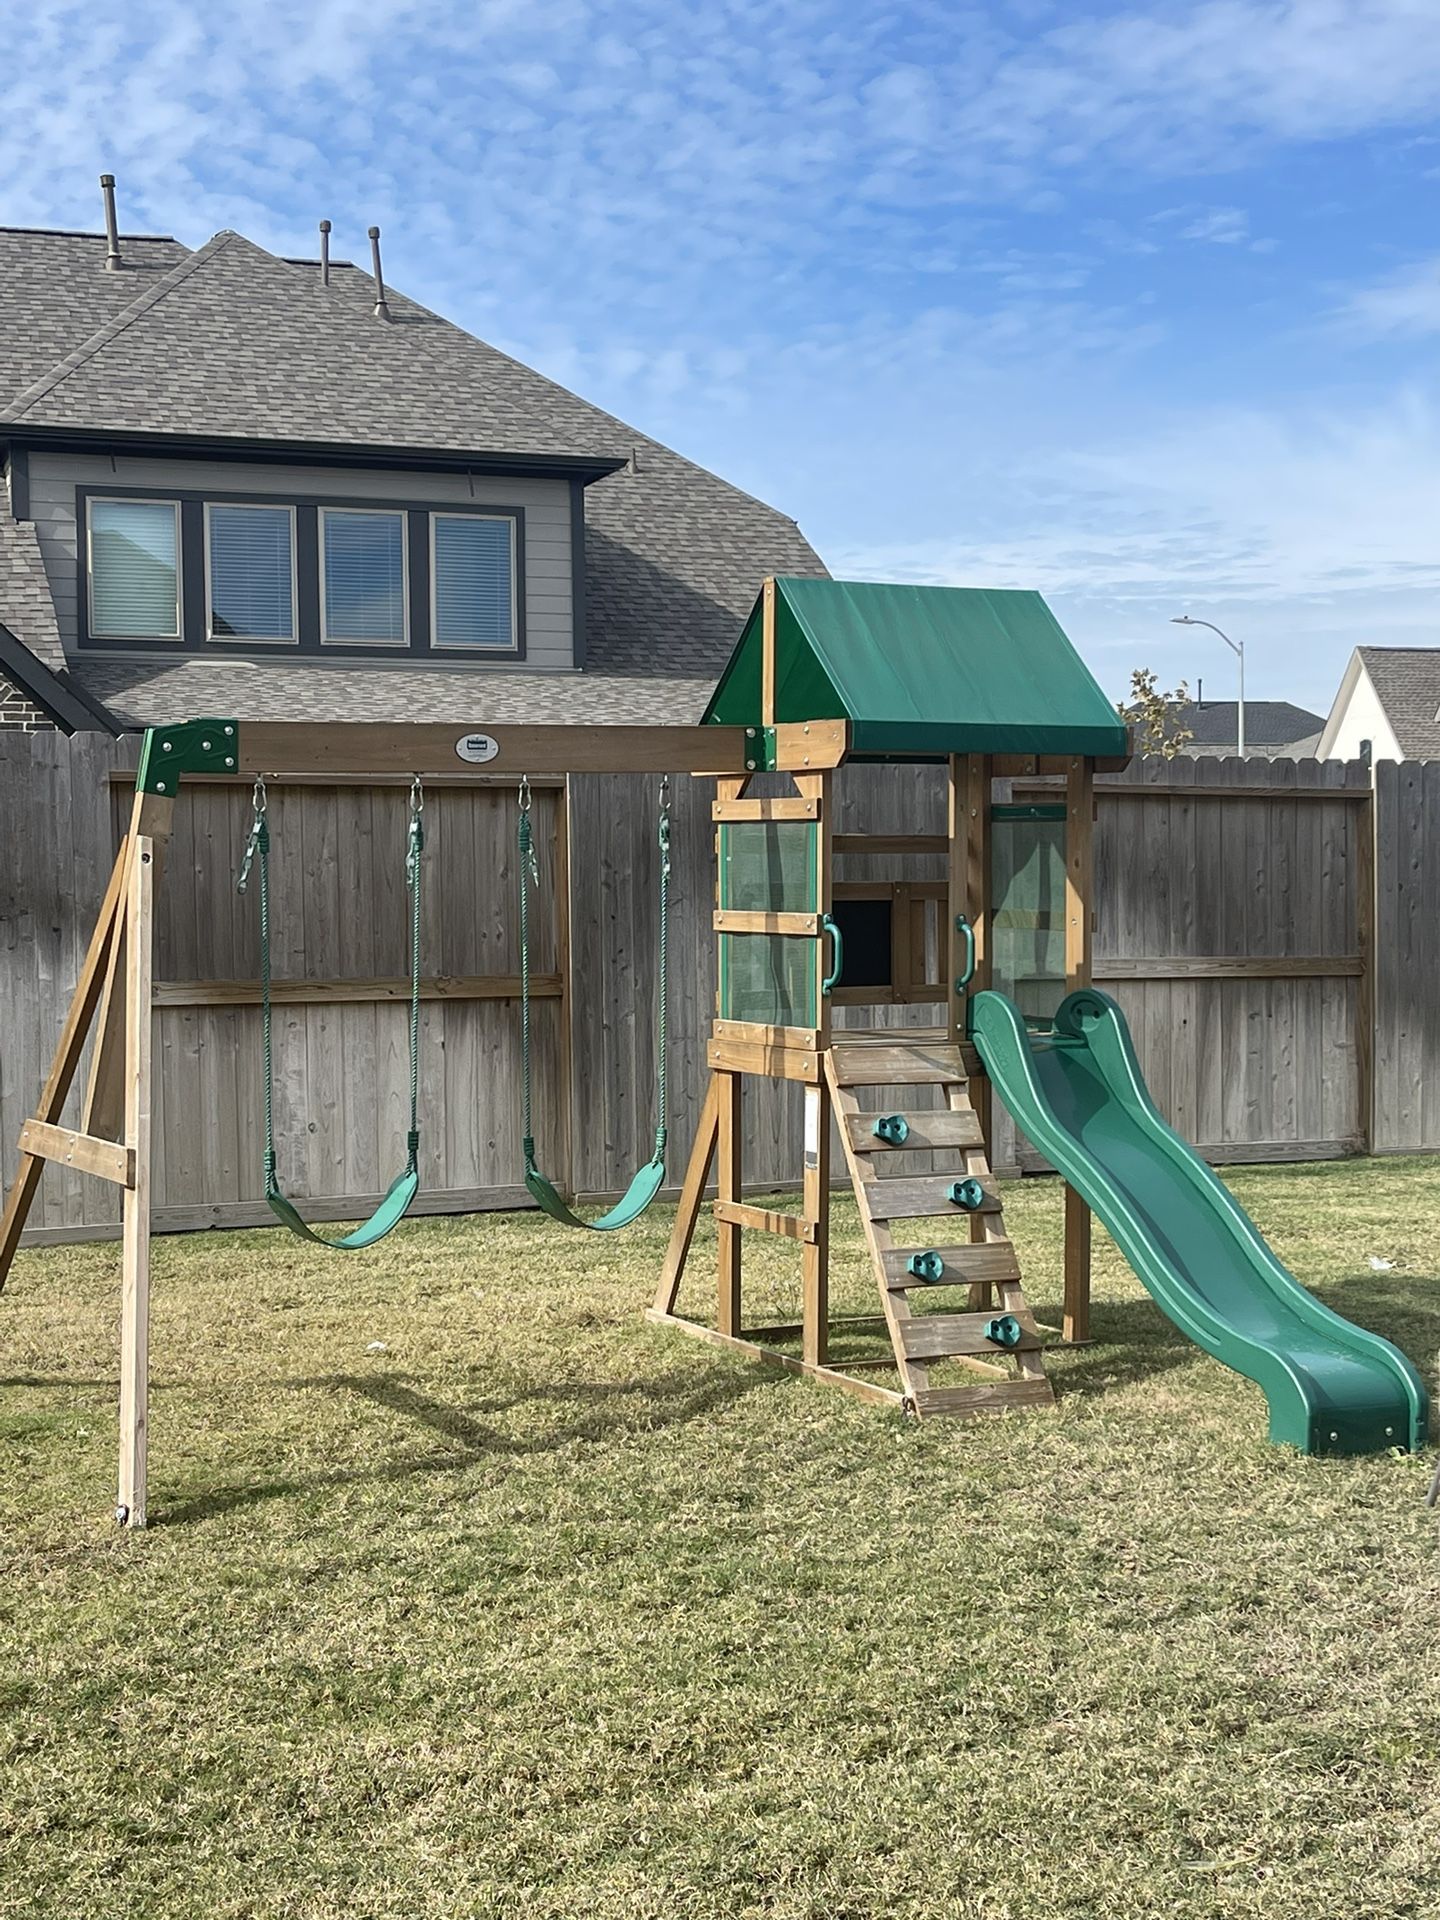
{"points": [[231, 341], [25, 603], [145, 693], [1407, 683], [55, 291], [1268, 723]]}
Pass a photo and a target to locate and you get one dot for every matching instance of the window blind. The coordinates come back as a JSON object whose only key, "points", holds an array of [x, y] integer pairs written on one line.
{"points": [[364, 565], [134, 569], [474, 592], [252, 572]]}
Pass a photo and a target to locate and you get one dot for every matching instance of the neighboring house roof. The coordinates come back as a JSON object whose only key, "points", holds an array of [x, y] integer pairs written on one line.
{"points": [[1407, 684], [1268, 724], [231, 343], [921, 670]]}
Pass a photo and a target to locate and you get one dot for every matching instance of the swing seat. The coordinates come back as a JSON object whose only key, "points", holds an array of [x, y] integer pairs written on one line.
{"points": [[388, 1215], [631, 1204]]}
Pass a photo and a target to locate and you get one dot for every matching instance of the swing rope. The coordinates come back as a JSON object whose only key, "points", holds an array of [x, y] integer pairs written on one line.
{"points": [[405, 1186], [647, 1182]]}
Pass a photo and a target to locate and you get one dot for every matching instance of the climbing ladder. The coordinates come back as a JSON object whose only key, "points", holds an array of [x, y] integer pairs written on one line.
{"points": [[996, 1336]]}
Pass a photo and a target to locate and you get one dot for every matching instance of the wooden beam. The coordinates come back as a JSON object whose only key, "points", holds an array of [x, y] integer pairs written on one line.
{"points": [[279, 748], [731, 920], [692, 1193], [729, 1145], [290, 749], [767, 653], [66, 1061], [299, 993], [815, 1260], [1079, 937], [751, 1350], [1224, 966], [891, 843], [773, 1063], [106, 1159], [786, 1226], [784, 807], [135, 1263]]}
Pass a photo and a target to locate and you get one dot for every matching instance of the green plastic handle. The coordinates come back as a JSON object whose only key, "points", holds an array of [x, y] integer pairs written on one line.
{"points": [[832, 979], [967, 934]]}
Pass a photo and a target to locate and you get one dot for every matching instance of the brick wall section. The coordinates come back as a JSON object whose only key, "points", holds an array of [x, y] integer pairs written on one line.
{"points": [[19, 714]]}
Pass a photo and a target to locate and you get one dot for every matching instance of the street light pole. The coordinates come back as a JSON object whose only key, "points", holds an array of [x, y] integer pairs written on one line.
{"points": [[1237, 647]]}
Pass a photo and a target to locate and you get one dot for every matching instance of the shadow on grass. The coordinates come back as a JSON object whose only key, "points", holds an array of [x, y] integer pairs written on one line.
{"points": [[665, 1402], [1404, 1308]]}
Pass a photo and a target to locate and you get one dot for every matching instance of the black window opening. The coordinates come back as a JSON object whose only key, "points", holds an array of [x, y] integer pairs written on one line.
{"points": [[865, 929], [252, 574]]}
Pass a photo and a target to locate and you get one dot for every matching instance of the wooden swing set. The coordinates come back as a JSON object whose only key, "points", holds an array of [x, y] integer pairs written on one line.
{"points": [[823, 672]]}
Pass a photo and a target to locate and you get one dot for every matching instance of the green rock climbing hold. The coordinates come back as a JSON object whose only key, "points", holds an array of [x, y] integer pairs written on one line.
{"points": [[968, 1194], [892, 1128], [927, 1266]]}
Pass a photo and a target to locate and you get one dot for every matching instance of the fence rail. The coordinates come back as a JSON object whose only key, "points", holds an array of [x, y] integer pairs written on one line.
{"points": [[1265, 924]]}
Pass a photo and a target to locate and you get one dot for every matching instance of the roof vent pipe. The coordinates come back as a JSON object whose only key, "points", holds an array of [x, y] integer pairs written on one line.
{"points": [[382, 311], [324, 253], [112, 232]]}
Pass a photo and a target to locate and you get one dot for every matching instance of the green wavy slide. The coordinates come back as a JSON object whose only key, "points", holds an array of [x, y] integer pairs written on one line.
{"points": [[1078, 1094]]}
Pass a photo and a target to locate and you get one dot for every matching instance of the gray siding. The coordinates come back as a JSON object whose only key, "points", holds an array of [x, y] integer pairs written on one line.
{"points": [[546, 503]]}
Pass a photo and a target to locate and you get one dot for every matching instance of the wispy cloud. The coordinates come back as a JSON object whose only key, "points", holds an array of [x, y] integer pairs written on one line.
{"points": [[1404, 306]]}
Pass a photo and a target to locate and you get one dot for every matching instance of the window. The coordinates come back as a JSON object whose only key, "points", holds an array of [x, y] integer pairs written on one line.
{"points": [[250, 572], [135, 569], [472, 581], [364, 577]]}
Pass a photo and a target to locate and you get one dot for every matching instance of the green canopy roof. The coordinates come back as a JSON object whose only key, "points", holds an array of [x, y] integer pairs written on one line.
{"points": [[921, 670]]}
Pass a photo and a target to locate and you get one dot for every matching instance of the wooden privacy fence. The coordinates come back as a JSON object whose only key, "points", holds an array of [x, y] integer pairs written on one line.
{"points": [[1284, 1005]]}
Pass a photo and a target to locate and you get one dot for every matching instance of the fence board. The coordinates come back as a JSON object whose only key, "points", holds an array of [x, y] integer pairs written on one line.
{"points": [[1266, 869]]}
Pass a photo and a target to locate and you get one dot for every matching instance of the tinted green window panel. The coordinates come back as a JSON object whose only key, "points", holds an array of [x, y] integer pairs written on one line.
{"points": [[768, 978], [769, 866], [1028, 927]]}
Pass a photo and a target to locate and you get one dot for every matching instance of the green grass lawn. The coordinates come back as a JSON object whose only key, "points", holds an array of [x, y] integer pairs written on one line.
{"points": [[468, 1594]]}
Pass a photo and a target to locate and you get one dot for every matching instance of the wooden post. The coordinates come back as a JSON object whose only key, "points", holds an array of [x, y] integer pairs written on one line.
{"points": [[815, 1257], [727, 1300], [67, 1057], [135, 1273], [692, 1194], [563, 966], [1362, 825], [1079, 948], [969, 894], [767, 653]]}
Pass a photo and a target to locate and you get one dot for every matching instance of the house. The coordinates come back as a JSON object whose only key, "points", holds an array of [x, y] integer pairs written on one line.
{"points": [[1387, 708], [1274, 729], [278, 489]]}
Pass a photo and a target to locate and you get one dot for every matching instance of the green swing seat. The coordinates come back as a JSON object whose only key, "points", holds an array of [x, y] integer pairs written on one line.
{"points": [[651, 1177], [403, 1188]]}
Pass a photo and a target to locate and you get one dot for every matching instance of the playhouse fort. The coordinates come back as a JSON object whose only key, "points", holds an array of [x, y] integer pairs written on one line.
{"points": [[824, 672]]}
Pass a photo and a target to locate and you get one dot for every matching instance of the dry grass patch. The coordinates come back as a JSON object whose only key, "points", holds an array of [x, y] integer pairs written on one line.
{"points": [[470, 1595]]}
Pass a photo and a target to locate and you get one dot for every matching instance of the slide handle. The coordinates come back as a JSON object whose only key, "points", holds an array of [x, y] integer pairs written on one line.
{"points": [[832, 979], [967, 966]]}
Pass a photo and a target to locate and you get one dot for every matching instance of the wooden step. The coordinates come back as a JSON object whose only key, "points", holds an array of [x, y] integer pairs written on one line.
{"points": [[993, 1397], [927, 1130], [920, 1197], [940, 1336], [892, 1063], [991, 1264]]}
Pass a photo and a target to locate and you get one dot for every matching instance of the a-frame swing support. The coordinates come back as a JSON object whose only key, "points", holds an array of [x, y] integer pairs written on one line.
{"points": [[112, 1001]]}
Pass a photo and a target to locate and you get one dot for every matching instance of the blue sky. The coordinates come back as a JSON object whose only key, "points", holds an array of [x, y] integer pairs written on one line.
{"points": [[1138, 305]]}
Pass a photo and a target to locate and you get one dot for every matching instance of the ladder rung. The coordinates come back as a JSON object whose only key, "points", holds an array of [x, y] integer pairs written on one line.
{"points": [[937, 1336], [789, 1226], [921, 1197], [996, 1397], [927, 1130], [993, 1264], [856, 1064]]}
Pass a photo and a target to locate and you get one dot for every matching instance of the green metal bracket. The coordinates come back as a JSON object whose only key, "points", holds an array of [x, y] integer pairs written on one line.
{"points": [[194, 746], [760, 749]]}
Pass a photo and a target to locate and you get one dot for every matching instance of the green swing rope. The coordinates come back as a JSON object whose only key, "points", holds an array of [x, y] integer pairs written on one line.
{"points": [[647, 1182], [406, 1185]]}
